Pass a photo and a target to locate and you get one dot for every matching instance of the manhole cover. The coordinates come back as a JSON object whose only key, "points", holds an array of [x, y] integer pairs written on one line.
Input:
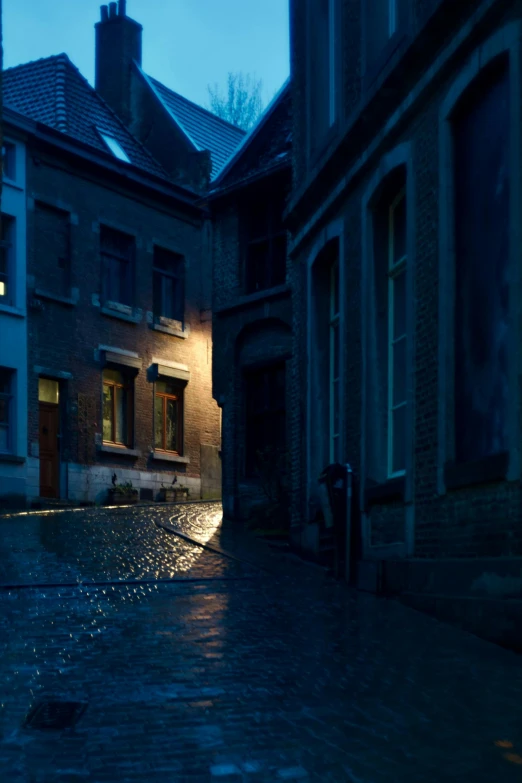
{"points": [[55, 714]]}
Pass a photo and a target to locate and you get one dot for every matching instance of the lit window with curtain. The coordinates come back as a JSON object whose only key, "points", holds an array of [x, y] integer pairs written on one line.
{"points": [[168, 416], [117, 408]]}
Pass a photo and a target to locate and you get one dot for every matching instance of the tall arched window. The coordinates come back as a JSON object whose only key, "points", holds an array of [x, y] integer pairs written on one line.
{"points": [[480, 128]]}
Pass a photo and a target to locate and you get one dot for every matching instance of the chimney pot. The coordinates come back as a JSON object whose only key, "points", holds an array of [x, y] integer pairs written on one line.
{"points": [[112, 10], [104, 13], [122, 7]]}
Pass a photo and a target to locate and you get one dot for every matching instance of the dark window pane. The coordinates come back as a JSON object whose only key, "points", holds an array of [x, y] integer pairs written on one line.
{"points": [[171, 434], [278, 260], [399, 371], [121, 415], [158, 423], [399, 230], [9, 160], [107, 411], [399, 439], [117, 250], [6, 258], [4, 408], [482, 199], [335, 288], [335, 358], [168, 284], [257, 266], [399, 305], [52, 241]]}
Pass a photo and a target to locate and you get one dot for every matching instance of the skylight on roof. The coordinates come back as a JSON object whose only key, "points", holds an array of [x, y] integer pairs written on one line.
{"points": [[115, 147]]}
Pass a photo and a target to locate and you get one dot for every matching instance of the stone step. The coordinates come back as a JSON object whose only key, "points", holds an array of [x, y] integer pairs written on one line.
{"points": [[498, 620]]}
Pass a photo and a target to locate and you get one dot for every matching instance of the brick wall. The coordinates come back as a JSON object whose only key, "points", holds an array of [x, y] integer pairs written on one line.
{"points": [[63, 337], [470, 522]]}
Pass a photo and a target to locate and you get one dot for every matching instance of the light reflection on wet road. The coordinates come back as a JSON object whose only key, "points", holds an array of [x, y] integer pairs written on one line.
{"points": [[265, 677]]}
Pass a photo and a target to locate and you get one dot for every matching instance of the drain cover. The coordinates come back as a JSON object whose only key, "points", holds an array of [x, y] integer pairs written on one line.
{"points": [[55, 714]]}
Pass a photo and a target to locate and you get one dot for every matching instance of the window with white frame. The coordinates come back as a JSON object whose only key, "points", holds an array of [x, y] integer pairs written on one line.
{"points": [[334, 362], [6, 409], [397, 336], [6, 259]]}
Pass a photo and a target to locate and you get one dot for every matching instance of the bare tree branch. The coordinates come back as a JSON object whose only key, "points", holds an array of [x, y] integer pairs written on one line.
{"points": [[241, 103]]}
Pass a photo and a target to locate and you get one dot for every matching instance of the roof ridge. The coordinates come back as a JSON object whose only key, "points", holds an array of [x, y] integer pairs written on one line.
{"points": [[49, 57], [61, 105], [202, 108]]}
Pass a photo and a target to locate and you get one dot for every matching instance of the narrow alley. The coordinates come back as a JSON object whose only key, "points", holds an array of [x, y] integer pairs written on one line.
{"points": [[195, 663]]}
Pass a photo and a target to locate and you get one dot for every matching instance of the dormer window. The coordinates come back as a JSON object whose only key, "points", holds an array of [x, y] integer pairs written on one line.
{"points": [[114, 147]]}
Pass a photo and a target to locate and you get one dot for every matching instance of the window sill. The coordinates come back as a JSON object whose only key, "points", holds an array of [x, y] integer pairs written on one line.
{"points": [[246, 300], [121, 451], [12, 458], [70, 301], [164, 456], [10, 310], [169, 330], [387, 492], [482, 471], [126, 314]]}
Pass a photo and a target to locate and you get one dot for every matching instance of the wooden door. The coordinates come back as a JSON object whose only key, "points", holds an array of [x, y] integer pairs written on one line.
{"points": [[49, 450]]}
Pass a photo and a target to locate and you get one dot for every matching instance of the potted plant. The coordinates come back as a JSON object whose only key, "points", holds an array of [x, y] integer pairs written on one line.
{"points": [[173, 493], [121, 494]]}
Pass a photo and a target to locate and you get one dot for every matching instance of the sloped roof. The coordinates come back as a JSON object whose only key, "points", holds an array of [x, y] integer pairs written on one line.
{"points": [[204, 129], [53, 91], [266, 147]]}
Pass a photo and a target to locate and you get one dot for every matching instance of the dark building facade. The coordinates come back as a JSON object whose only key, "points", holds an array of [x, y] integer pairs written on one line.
{"points": [[405, 261], [252, 318], [110, 277]]}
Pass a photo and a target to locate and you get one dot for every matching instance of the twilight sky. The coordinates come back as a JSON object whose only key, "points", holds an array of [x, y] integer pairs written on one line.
{"points": [[187, 44]]}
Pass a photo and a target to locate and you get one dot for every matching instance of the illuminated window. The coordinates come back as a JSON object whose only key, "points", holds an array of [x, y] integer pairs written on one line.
{"points": [[117, 408], [117, 256], [169, 285], [6, 409], [48, 390], [8, 160], [115, 147], [168, 416], [6, 259]]}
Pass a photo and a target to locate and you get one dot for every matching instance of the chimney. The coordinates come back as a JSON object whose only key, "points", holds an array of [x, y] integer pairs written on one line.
{"points": [[118, 43]]}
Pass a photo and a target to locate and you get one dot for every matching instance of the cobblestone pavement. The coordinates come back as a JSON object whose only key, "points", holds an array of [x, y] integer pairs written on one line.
{"points": [[232, 672]]}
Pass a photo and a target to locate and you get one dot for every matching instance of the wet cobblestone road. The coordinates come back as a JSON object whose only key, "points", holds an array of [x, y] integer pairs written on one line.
{"points": [[232, 672]]}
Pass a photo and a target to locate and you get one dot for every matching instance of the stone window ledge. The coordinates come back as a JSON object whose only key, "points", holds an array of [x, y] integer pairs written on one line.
{"points": [[14, 459], [121, 451], [128, 314], [482, 471], [10, 310], [387, 492], [70, 301], [246, 300], [165, 457], [169, 330]]}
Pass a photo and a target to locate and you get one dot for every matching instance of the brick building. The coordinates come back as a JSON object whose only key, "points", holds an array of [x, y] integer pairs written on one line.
{"points": [[405, 267], [252, 319], [117, 309]]}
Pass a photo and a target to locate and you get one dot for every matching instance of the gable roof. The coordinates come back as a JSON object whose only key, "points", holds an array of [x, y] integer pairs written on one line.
{"points": [[205, 130], [265, 148], [53, 92]]}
